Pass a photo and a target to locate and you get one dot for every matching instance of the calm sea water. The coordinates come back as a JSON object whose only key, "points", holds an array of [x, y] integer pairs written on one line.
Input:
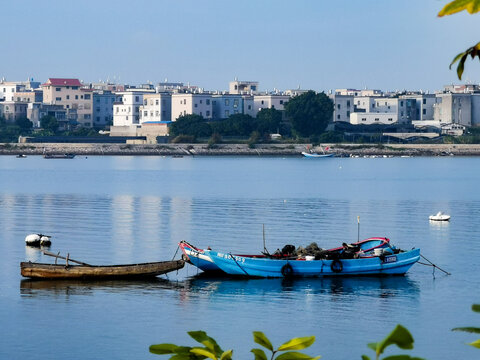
{"points": [[108, 210]]}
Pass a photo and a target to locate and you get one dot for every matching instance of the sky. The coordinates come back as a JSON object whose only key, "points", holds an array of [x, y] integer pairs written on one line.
{"points": [[311, 44]]}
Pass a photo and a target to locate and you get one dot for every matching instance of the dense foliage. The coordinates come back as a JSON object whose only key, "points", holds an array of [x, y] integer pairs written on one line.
{"points": [[309, 113], [9, 132], [194, 125]]}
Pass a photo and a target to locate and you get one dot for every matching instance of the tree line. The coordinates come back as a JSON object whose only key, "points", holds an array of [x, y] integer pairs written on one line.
{"points": [[304, 116]]}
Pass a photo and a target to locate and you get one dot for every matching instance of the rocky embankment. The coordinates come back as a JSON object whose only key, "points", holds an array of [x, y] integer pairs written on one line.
{"points": [[241, 149]]}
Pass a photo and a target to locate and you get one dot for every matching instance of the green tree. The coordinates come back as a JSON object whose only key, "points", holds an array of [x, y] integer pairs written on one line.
{"points": [[472, 6], [309, 113], [235, 125], [190, 124], [49, 123], [24, 124], [268, 121]]}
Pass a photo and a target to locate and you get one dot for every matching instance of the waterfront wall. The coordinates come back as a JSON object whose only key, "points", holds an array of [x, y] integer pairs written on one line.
{"points": [[240, 149]]}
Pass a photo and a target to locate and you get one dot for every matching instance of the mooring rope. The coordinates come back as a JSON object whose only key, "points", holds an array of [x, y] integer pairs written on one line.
{"points": [[433, 265]]}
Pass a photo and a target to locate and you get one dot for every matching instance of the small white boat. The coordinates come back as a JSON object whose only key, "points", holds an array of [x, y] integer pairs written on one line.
{"points": [[315, 155], [38, 240], [440, 216]]}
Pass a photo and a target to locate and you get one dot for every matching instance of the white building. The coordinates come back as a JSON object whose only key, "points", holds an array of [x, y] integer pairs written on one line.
{"points": [[453, 108], [156, 107], [242, 87], [191, 103], [423, 106], [224, 105], [270, 101], [363, 118], [126, 112], [343, 107]]}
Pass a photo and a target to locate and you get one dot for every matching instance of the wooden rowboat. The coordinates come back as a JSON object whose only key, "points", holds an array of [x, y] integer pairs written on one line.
{"points": [[63, 271]]}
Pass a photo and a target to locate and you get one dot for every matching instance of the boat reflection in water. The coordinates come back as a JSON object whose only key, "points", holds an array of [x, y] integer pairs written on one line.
{"points": [[382, 287], [32, 288], [223, 288]]}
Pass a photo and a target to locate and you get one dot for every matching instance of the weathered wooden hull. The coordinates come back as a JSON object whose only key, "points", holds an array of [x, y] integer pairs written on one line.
{"points": [[52, 271]]}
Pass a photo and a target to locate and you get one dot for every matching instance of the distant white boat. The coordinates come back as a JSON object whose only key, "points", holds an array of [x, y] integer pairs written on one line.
{"points": [[440, 216], [315, 155]]}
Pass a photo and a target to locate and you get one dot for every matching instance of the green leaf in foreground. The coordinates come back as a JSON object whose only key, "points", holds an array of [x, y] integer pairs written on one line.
{"points": [[476, 344], [203, 352], [474, 51], [472, 6], [473, 330], [162, 349], [294, 355], [260, 338], [227, 355], [400, 336], [297, 343], [259, 354], [476, 307]]}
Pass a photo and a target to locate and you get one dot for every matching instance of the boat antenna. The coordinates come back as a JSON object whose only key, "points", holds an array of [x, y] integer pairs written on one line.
{"points": [[264, 246], [358, 228]]}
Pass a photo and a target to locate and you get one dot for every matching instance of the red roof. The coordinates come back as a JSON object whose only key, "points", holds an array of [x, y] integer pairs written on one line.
{"points": [[63, 82]]}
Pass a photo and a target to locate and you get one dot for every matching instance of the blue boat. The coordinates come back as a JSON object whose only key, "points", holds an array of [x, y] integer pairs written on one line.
{"points": [[198, 257], [372, 256], [397, 263]]}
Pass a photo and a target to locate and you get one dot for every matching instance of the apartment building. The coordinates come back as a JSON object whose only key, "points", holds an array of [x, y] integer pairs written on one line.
{"points": [[156, 107], [453, 108], [270, 101], [191, 103], [343, 107], [126, 110], [69, 93], [242, 87], [102, 102]]}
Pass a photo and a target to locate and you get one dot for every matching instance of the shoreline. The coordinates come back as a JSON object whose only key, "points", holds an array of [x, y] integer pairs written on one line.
{"points": [[341, 150]]}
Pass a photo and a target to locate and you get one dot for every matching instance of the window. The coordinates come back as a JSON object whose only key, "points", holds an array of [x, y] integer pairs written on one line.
{"points": [[145, 113], [157, 102], [98, 100], [68, 97], [249, 107], [87, 116], [227, 113], [98, 118], [386, 104], [390, 119], [377, 119], [201, 101], [58, 98], [253, 87], [214, 102], [364, 119], [348, 113], [338, 106], [207, 101], [145, 102], [196, 105], [262, 102], [137, 99], [81, 96], [75, 87], [348, 103], [227, 102], [281, 102], [338, 116], [97, 109], [157, 113], [424, 111], [56, 89], [76, 97], [401, 113], [208, 113], [401, 103], [87, 96], [424, 101]]}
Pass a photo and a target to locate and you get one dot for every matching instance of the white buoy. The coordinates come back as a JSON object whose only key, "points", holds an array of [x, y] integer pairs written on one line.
{"points": [[37, 240]]}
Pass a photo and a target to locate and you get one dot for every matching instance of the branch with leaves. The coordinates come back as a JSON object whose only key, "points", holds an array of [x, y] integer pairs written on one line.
{"points": [[472, 6]]}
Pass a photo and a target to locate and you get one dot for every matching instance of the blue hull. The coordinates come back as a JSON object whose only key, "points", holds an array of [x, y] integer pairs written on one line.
{"points": [[397, 264], [199, 258]]}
